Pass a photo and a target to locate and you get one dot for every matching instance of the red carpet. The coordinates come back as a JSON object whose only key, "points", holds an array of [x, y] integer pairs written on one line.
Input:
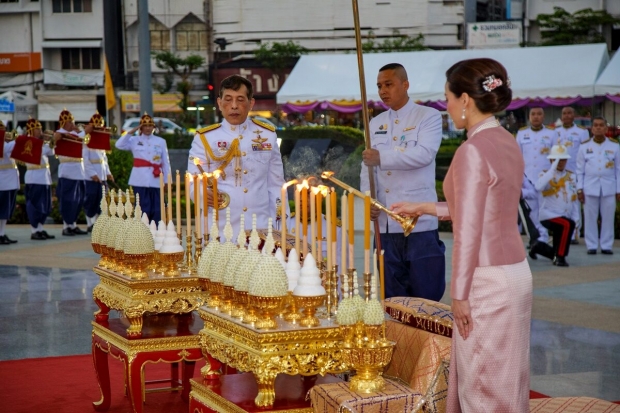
{"points": [[68, 385]]}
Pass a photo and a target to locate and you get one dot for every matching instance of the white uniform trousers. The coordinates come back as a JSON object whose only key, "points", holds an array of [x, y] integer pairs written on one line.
{"points": [[534, 208], [606, 205]]}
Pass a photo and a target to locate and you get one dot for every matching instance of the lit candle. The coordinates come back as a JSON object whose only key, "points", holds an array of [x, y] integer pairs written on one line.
{"points": [[188, 205], [343, 233], [351, 229], [205, 203], [297, 214], [178, 198], [367, 234], [319, 225], [313, 220], [161, 197], [216, 202], [328, 230], [283, 200], [334, 201], [169, 215], [197, 183], [304, 211]]}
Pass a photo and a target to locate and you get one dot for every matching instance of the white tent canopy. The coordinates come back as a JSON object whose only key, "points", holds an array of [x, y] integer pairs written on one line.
{"points": [[609, 81], [535, 72]]}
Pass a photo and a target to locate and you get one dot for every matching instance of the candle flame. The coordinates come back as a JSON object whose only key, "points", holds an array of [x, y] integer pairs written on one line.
{"points": [[216, 174], [289, 183]]}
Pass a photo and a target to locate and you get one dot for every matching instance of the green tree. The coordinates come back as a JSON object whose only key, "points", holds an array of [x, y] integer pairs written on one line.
{"points": [[583, 26], [278, 56], [396, 43], [181, 67]]}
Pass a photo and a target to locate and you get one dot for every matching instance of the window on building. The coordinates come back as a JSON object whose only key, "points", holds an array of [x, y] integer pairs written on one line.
{"points": [[160, 36], [85, 58], [72, 6], [191, 36]]}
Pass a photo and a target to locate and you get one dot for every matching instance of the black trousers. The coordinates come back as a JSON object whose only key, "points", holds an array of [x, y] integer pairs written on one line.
{"points": [[562, 229]]}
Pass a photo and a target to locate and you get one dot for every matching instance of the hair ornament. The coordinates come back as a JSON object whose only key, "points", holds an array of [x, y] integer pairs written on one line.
{"points": [[491, 82]]}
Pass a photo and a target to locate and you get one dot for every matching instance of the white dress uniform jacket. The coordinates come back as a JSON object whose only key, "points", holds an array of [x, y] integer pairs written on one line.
{"points": [[559, 193], [261, 176], [535, 146], [150, 148], [40, 174], [408, 140], [572, 138], [598, 168], [71, 168], [95, 164], [9, 175]]}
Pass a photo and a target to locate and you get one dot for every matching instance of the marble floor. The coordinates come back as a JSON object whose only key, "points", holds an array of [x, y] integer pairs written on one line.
{"points": [[46, 308]]}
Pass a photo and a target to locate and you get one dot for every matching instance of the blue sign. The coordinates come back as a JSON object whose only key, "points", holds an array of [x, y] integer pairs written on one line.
{"points": [[6, 106]]}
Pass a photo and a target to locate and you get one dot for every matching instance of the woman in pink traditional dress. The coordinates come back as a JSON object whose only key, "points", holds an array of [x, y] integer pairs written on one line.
{"points": [[491, 280]]}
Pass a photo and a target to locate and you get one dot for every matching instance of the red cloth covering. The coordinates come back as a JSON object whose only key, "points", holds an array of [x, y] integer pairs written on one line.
{"points": [[99, 140], [28, 149], [143, 163], [2, 133], [65, 147]]}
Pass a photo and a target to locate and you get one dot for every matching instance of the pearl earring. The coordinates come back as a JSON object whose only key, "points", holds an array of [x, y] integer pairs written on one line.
{"points": [[463, 115]]}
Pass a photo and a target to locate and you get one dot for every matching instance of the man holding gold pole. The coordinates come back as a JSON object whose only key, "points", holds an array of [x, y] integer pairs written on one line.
{"points": [[404, 142]]}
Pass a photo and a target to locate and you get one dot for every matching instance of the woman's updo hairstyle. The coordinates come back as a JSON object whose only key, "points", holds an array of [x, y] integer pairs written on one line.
{"points": [[480, 79]]}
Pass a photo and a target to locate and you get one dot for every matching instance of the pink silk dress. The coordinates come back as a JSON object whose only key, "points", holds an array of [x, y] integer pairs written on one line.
{"points": [[490, 371]]}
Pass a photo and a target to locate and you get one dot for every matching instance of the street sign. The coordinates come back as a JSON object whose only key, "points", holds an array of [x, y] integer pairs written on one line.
{"points": [[6, 106]]}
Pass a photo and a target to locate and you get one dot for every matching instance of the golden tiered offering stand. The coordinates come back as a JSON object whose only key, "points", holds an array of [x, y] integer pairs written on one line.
{"points": [[154, 294], [289, 349]]}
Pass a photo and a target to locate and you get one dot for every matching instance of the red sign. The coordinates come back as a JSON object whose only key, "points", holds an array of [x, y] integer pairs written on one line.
{"points": [[265, 83], [70, 148], [20, 62], [99, 140], [27, 149]]}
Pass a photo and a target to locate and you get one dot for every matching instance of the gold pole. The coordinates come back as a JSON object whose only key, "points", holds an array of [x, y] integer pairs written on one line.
{"points": [[365, 116]]}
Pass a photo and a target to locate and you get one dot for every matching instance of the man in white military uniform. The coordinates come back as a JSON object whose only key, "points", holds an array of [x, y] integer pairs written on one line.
{"points": [[535, 143], [97, 173], [150, 157], [70, 189], [405, 140], [598, 186], [571, 136], [247, 153], [38, 189], [9, 184]]}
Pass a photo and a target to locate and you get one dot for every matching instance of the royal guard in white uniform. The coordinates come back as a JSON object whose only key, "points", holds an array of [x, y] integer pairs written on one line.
{"points": [[598, 186], [572, 136], [535, 143], [97, 172], [558, 211], [70, 189], [246, 153], [150, 158], [405, 140], [38, 189], [9, 184]]}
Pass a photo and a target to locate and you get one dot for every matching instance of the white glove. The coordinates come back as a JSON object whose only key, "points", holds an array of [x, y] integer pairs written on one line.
{"points": [[555, 163]]}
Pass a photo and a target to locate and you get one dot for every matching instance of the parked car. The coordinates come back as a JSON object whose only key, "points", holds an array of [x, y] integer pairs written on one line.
{"points": [[168, 125]]}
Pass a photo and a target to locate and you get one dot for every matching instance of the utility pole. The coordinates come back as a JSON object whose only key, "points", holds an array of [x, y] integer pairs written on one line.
{"points": [[144, 53]]}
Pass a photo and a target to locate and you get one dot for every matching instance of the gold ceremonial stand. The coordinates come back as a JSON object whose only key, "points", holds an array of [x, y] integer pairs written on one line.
{"points": [[289, 349], [153, 294]]}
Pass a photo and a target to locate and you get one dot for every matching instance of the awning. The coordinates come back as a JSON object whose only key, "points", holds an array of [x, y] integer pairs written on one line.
{"points": [[608, 83], [535, 72], [59, 44], [82, 107]]}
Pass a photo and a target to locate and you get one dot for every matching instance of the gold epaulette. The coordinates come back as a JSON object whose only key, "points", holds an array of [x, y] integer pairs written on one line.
{"points": [[523, 127], [586, 141], [209, 128], [552, 127], [264, 125], [613, 140], [580, 126], [569, 172]]}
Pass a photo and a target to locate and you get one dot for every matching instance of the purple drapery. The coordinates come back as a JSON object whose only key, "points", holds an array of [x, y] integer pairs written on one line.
{"points": [[613, 98], [293, 108]]}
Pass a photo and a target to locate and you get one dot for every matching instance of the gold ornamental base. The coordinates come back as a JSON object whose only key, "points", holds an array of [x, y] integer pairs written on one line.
{"points": [[216, 295], [292, 315], [239, 304], [309, 305], [139, 263], [268, 308], [368, 363], [170, 262]]}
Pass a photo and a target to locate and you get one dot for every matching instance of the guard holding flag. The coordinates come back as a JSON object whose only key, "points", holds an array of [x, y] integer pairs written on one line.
{"points": [[9, 184], [150, 158]]}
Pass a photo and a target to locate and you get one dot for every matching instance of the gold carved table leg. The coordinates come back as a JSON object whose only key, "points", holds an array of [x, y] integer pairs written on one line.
{"points": [[134, 316], [266, 388], [104, 311]]}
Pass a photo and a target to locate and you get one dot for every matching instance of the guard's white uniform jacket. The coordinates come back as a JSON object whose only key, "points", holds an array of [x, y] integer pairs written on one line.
{"points": [[261, 176], [40, 174], [9, 175], [408, 140], [71, 168], [572, 138], [598, 175], [150, 148], [535, 146], [559, 193], [95, 164]]}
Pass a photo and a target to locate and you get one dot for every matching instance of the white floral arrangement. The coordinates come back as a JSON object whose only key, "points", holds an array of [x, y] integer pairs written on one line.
{"points": [[269, 279], [246, 268]]}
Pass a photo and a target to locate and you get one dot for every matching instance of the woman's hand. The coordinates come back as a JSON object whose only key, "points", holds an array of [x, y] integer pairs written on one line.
{"points": [[462, 317], [414, 209]]}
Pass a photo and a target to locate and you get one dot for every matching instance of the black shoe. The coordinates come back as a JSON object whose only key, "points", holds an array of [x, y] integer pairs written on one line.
{"points": [[574, 242], [90, 228], [78, 231], [4, 240], [38, 236], [532, 253], [592, 252], [68, 232], [606, 252], [11, 241], [47, 236], [560, 262]]}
